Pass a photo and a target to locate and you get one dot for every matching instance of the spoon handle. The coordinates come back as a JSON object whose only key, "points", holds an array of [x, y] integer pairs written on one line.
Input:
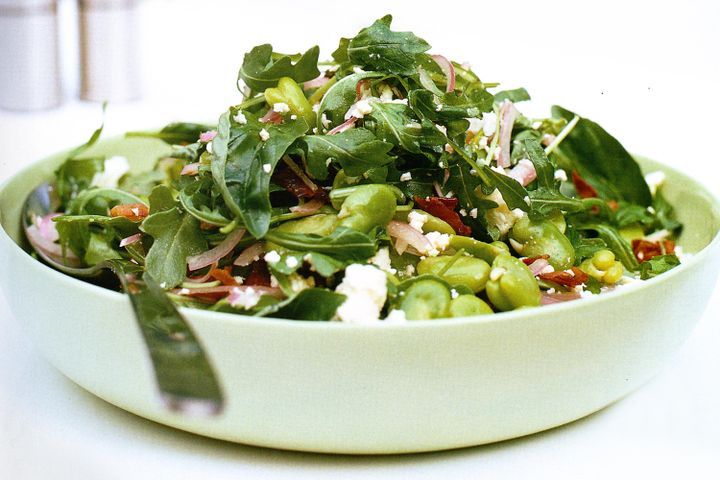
{"points": [[184, 375]]}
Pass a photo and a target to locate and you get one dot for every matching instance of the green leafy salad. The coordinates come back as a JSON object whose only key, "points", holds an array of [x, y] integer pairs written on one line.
{"points": [[388, 184]]}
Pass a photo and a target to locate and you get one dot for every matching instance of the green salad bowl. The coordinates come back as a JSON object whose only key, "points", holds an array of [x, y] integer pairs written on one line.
{"points": [[378, 389]]}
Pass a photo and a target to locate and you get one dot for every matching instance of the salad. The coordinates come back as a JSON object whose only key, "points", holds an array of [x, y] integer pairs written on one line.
{"points": [[385, 185]]}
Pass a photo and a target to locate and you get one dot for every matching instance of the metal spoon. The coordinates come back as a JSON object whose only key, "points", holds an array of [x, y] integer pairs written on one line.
{"points": [[184, 375]]}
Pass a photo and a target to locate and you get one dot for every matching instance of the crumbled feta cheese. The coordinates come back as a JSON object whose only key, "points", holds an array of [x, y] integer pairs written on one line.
{"points": [[536, 124], [651, 210], [267, 168], [417, 220], [438, 241], [209, 147], [560, 175], [264, 135], [291, 262], [483, 142], [358, 70], [272, 257], [386, 94], [293, 117], [473, 111], [463, 212], [382, 260], [448, 148], [359, 109], [274, 281], [454, 293], [475, 125], [406, 177], [396, 316], [658, 235], [324, 120], [240, 118], [298, 283], [113, 170], [328, 161], [365, 287], [409, 270], [501, 217], [474, 212], [315, 130], [442, 128], [281, 107], [439, 107], [489, 120], [244, 298], [184, 291], [654, 180], [316, 108], [450, 194]]}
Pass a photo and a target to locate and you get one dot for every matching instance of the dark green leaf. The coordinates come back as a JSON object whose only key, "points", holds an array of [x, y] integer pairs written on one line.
{"points": [[241, 164], [357, 151], [512, 192], [177, 236], [657, 265], [76, 175], [394, 123], [310, 304], [602, 161], [260, 70], [615, 242], [178, 133], [379, 48], [339, 98], [664, 213], [161, 199], [342, 243], [451, 106], [516, 95]]}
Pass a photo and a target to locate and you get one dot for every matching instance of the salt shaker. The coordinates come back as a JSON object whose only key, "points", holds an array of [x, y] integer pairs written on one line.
{"points": [[109, 61], [29, 63]]}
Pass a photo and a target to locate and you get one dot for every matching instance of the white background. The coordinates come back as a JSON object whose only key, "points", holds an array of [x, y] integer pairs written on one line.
{"points": [[648, 71]]}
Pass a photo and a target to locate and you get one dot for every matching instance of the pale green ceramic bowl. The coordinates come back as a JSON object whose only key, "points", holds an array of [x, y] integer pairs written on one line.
{"points": [[331, 387]]}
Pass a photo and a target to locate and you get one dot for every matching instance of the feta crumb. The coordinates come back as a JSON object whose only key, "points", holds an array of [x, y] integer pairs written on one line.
{"points": [[245, 298], [654, 180], [315, 130], [293, 117], [463, 212], [291, 262], [264, 135], [274, 281], [438, 243], [454, 293], [475, 125], [328, 161], [240, 118], [396, 316], [551, 290], [365, 287], [489, 120], [359, 109], [410, 270], [651, 210], [324, 120], [450, 194], [386, 94], [267, 168], [358, 70], [439, 107], [406, 177], [281, 107], [209, 147], [483, 142], [442, 128], [184, 291], [113, 170], [298, 283], [316, 108], [474, 213], [448, 148], [560, 175], [382, 260], [163, 285], [417, 220], [536, 125], [272, 257]]}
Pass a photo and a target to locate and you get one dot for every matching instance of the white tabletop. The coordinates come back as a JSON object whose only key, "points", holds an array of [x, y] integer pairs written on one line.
{"points": [[648, 74]]}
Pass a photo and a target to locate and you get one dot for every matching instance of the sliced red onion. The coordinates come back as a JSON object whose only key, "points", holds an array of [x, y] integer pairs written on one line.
{"points": [[448, 69], [130, 240], [508, 114], [207, 137], [316, 82], [538, 266], [272, 117], [408, 235], [346, 125], [524, 172], [308, 208], [47, 227], [250, 254], [204, 278], [204, 259], [51, 249], [190, 169], [551, 298], [438, 190]]}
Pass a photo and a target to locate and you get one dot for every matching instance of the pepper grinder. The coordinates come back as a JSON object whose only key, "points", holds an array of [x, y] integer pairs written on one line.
{"points": [[109, 64], [29, 63]]}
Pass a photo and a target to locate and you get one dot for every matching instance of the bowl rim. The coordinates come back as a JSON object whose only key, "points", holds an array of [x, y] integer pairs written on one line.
{"points": [[223, 318]]}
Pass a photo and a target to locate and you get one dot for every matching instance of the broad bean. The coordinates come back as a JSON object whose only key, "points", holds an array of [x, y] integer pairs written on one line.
{"points": [[426, 299], [367, 206], [512, 285], [603, 267], [469, 271], [476, 248], [467, 305], [541, 237]]}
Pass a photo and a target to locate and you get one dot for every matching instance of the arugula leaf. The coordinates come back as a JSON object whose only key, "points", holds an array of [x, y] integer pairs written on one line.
{"points": [[340, 55], [584, 247], [317, 304], [512, 192], [421, 183], [260, 70], [324, 265], [339, 98], [161, 199], [629, 214], [451, 106], [657, 265], [615, 242], [516, 95], [343, 243], [241, 163], [602, 161], [378, 48], [99, 249], [75, 176], [176, 133], [665, 213], [356, 150], [177, 236], [394, 123]]}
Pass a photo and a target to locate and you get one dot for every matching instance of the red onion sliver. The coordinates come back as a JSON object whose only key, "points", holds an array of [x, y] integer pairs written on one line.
{"points": [[508, 114], [203, 278], [130, 240], [538, 266], [308, 208], [272, 117], [316, 82], [405, 233], [190, 169], [207, 137], [550, 298], [204, 259], [346, 125], [51, 249], [47, 227], [524, 172], [448, 69], [250, 254]]}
